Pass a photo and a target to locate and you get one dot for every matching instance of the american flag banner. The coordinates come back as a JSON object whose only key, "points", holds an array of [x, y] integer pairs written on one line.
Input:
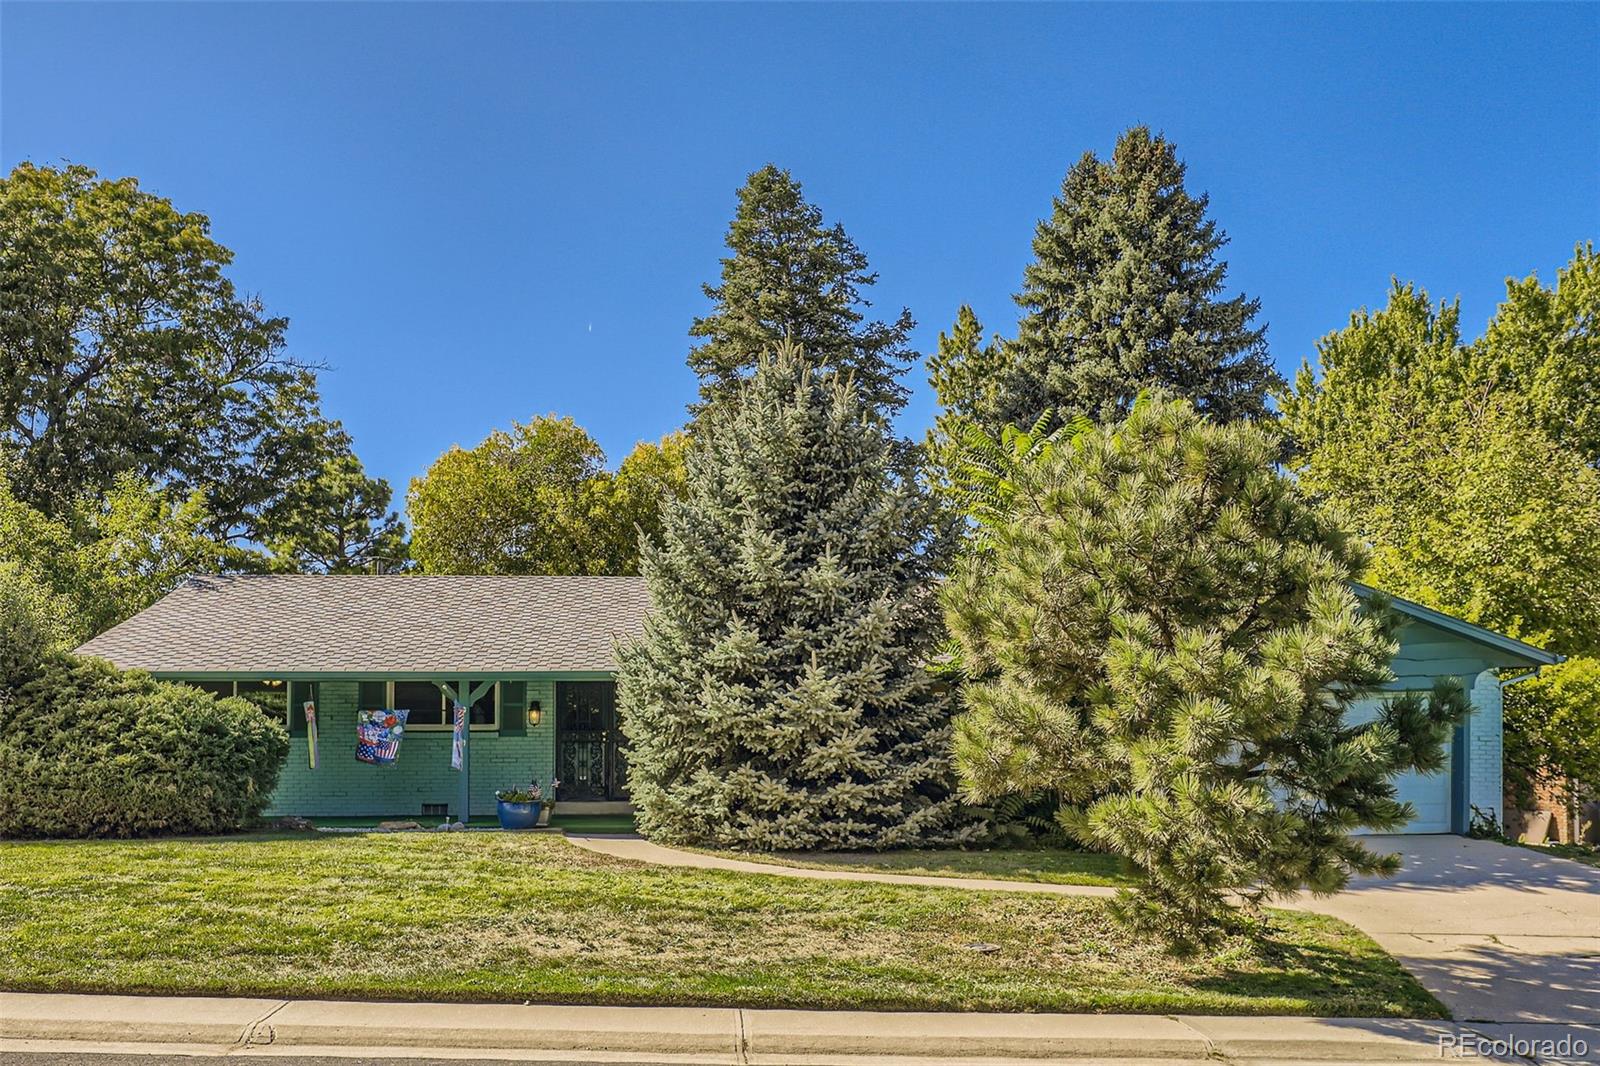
{"points": [[378, 735], [311, 733]]}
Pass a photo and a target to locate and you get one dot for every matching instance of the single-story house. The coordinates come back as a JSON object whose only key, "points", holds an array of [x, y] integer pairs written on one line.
{"points": [[534, 659]]}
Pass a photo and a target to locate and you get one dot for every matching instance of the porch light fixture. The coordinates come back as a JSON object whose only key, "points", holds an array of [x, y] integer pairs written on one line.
{"points": [[534, 714]]}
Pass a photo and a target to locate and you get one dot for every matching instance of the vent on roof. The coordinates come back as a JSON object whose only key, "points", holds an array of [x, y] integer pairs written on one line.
{"points": [[440, 809]]}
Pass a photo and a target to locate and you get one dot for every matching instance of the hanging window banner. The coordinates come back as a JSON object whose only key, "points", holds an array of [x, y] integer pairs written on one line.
{"points": [[378, 735], [311, 733], [459, 738]]}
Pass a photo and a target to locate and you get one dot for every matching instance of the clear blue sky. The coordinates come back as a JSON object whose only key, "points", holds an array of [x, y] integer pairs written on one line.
{"points": [[480, 213]]}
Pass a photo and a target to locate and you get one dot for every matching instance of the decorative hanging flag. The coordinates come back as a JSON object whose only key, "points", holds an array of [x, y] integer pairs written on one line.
{"points": [[311, 733], [459, 738], [378, 735]]}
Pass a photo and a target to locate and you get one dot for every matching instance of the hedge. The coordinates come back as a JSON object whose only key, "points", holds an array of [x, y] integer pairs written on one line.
{"points": [[87, 750]]}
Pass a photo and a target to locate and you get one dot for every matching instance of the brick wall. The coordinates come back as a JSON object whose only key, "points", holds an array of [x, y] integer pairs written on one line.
{"points": [[1485, 748], [343, 787]]}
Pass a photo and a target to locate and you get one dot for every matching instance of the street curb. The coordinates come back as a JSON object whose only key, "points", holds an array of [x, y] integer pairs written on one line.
{"points": [[666, 1030], [223, 1021], [756, 1037], [794, 1033]]}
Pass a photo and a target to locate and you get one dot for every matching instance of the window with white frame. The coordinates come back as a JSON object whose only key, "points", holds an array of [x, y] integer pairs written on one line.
{"points": [[426, 702]]}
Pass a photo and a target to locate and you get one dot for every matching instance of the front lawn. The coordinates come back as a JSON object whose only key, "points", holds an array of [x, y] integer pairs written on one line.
{"points": [[489, 916], [1588, 854], [1058, 866]]}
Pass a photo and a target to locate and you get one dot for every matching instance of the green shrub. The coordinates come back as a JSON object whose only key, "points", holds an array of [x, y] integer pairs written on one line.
{"points": [[87, 750], [1553, 731]]}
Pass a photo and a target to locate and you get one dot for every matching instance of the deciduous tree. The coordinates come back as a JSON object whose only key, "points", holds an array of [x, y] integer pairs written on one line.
{"points": [[125, 350], [521, 502], [648, 476], [108, 557], [1470, 468], [1552, 732]]}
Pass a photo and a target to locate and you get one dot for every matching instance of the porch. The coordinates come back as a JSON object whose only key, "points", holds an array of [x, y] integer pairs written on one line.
{"points": [[525, 728]]}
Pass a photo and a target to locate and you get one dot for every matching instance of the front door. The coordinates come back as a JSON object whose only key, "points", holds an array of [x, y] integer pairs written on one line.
{"points": [[590, 762]]}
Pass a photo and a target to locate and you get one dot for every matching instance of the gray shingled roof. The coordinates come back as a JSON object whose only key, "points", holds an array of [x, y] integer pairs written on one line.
{"points": [[397, 622]]}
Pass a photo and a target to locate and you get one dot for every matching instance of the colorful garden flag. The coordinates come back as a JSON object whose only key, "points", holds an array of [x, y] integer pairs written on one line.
{"points": [[311, 733], [459, 738], [378, 735]]}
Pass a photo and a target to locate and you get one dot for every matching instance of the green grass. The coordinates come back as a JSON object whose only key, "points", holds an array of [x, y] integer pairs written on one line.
{"points": [[1058, 866], [1588, 854], [592, 823], [506, 917]]}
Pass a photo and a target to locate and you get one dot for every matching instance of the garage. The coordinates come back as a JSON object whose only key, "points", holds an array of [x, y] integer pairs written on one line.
{"points": [[1428, 794], [1435, 646]]}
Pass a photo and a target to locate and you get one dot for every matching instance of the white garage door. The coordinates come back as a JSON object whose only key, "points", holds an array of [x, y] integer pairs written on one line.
{"points": [[1428, 793]]}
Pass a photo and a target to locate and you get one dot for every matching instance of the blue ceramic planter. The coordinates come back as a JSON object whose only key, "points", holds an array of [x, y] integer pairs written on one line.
{"points": [[518, 815]]}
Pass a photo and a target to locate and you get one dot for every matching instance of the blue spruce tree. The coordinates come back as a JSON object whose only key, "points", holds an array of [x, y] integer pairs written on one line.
{"points": [[781, 697]]}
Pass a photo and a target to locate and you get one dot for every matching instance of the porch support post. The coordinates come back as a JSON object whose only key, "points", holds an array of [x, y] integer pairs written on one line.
{"points": [[466, 694], [464, 697]]}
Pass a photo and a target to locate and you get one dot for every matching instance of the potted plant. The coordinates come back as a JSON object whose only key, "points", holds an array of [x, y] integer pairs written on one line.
{"points": [[519, 808]]}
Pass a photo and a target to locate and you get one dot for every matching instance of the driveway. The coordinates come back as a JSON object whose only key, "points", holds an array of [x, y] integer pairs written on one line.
{"points": [[1499, 933]]}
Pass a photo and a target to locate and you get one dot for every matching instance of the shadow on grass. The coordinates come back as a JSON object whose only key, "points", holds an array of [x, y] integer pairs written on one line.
{"points": [[1341, 980]]}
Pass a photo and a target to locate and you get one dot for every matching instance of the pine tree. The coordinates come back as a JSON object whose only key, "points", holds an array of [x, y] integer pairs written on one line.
{"points": [[791, 277], [782, 696], [964, 372], [1162, 631], [1124, 295]]}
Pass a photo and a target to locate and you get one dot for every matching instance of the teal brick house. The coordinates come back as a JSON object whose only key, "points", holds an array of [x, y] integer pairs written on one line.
{"points": [[534, 659], [531, 656]]}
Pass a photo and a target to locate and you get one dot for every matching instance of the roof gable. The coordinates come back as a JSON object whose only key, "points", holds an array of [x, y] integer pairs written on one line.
{"points": [[1495, 649]]}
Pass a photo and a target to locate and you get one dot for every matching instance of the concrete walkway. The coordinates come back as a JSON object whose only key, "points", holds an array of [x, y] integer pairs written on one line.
{"points": [[173, 1026], [641, 850], [1498, 933]]}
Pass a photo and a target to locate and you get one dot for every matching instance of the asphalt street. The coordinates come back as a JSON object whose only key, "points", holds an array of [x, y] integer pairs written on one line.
{"points": [[52, 1058]]}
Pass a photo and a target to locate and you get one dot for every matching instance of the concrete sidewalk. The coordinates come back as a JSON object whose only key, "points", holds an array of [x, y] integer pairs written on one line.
{"points": [[172, 1026]]}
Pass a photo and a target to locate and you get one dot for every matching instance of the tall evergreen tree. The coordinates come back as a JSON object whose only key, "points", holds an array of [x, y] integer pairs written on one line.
{"points": [[792, 277], [1125, 294], [1162, 632], [781, 696], [338, 523], [965, 371]]}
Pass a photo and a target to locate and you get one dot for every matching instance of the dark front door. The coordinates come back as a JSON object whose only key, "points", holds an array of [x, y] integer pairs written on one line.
{"points": [[590, 762]]}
